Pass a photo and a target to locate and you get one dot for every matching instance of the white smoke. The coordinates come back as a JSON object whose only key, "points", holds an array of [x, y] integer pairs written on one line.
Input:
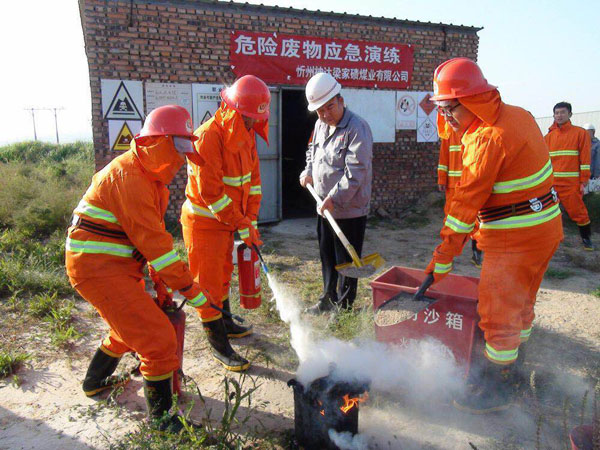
{"points": [[421, 368], [348, 441]]}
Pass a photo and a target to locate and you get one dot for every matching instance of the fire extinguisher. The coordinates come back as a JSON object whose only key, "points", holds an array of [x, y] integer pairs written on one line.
{"points": [[248, 277]]}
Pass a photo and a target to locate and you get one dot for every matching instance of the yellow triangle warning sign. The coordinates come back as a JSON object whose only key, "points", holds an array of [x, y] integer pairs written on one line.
{"points": [[123, 140]]}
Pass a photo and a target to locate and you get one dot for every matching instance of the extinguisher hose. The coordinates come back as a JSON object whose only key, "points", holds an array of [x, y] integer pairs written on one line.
{"points": [[262, 261], [221, 310]]}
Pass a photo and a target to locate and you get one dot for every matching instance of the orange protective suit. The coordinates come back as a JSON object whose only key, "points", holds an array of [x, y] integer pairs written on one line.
{"points": [[450, 165], [223, 195], [117, 227], [570, 154], [505, 162]]}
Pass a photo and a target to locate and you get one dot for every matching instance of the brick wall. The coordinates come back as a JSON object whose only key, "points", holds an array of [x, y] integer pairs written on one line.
{"points": [[187, 41]]}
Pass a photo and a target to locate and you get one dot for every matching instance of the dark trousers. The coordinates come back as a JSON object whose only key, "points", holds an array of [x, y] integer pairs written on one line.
{"points": [[333, 252]]}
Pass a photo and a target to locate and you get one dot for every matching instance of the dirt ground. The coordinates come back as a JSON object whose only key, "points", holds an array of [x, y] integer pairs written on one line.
{"points": [[48, 410]]}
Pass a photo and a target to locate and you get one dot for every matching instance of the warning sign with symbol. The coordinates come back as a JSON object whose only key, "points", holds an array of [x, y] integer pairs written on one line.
{"points": [[206, 101], [121, 133], [426, 118], [122, 99], [406, 110]]}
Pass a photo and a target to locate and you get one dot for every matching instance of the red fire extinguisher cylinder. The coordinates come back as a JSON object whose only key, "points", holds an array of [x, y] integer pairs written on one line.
{"points": [[248, 277]]}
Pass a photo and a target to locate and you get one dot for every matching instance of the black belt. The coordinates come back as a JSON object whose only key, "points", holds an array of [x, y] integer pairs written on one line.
{"points": [[100, 230], [535, 204]]}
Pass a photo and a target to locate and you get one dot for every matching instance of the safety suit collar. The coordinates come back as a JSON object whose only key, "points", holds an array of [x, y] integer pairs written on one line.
{"points": [[486, 106], [564, 127], [343, 123], [232, 123], [158, 158]]}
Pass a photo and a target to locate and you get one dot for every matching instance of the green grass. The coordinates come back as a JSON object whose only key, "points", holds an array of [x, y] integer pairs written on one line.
{"points": [[558, 274], [596, 292], [10, 362]]}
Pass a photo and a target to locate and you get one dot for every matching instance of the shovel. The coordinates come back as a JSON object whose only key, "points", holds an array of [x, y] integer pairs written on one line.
{"points": [[413, 303], [358, 268]]}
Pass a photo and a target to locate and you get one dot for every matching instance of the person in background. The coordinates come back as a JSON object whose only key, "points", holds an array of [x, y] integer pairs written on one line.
{"points": [[595, 151], [449, 173], [506, 185], [117, 227], [570, 153], [338, 165], [223, 196]]}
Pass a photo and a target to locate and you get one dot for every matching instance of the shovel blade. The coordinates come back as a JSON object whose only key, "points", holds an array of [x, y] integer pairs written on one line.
{"points": [[370, 264]]}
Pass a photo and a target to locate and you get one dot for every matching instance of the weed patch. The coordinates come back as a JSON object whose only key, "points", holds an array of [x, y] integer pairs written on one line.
{"points": [[558, 274], [11, 362]]}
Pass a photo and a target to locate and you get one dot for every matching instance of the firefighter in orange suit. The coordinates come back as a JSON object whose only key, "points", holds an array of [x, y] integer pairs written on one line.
{"points": [[506, 184], [117, 227], [223, 196], [570, 154], [449, 173]]}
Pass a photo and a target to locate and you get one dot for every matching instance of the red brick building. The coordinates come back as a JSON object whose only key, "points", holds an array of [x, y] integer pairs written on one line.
{"points": [[188, 41]]}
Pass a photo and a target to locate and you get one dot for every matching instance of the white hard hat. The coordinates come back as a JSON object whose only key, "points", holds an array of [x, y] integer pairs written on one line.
{"points": [[589, 126], [321, 88]]}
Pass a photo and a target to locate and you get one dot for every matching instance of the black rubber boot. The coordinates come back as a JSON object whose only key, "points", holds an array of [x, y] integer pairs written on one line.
{"points": [[326, 302], [99, 376], [520, 373], [234, 330], [221, 348], [585, 232], [493, 393], [347, 297], [159, 399], [477, 258]]}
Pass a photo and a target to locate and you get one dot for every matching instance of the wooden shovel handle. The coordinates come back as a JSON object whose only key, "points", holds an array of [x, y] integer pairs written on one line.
{"points": [[336, 228]]}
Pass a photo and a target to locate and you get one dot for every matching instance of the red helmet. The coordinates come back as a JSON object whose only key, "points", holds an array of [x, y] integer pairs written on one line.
{"points": [[172, 120], [458, 77], [249, 96]]}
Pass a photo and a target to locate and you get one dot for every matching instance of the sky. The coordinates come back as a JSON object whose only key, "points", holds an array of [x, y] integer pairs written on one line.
{"points": [[537, 53]]}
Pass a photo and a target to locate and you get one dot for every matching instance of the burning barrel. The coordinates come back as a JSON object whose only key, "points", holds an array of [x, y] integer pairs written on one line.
{"points": [[326, 405]]}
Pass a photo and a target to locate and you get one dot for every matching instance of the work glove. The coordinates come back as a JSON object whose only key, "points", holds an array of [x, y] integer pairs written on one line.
{"points": [[248, 233], [164, 294], [195, 296], [440, 266]]}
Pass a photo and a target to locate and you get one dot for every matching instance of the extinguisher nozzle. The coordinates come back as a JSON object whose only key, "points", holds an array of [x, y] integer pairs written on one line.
{"points": [[262, 261]]}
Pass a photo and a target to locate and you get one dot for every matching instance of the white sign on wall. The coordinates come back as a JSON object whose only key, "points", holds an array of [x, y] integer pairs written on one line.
{"points": [[160, 94], [426, 118], [377, 108], [206, 100], [122, 99], [406, 110], [121, 133]]}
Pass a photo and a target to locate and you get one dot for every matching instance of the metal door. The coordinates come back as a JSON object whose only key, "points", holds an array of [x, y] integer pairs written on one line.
{"points": [[270, 165]]}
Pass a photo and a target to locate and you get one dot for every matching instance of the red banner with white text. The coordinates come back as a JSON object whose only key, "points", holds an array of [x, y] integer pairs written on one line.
{"points": [[290, 59]]}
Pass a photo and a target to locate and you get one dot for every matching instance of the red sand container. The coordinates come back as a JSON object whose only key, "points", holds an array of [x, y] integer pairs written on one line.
{"points": [[451, 319]]}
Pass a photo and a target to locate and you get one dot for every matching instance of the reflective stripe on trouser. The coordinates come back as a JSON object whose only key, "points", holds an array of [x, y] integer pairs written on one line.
{"points": [[507, 292], [572, 202], [136, 322], [210, 259]]}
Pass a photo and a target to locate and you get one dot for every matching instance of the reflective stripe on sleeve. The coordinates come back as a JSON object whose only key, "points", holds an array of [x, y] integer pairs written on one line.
{"points": [[454, 148], [198, 300], [96, 247], [256, 190], [564, 153], [220, 204], [442, 168], [527, 220], [255, 223], [566, 174], [501, 356], [165, 260], [456, 225], [504, 187], [584, 167], [455, 173], [237, 181], [244, 233], [97, 213], [442, 268]]}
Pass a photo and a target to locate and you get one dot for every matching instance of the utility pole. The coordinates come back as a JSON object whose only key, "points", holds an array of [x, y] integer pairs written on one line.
{"points": [[54, 109], [33, 118], [56, 122]]}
